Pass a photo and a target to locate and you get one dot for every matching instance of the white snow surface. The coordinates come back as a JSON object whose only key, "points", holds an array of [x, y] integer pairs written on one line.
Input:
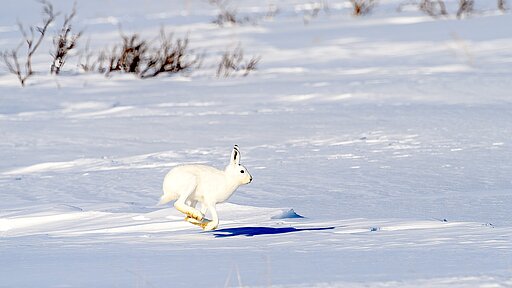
{"points": [[389, 133]]}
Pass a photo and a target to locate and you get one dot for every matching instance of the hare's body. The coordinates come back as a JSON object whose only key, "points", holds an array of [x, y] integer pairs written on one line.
{"points": [[209, 185], [190, 184]]}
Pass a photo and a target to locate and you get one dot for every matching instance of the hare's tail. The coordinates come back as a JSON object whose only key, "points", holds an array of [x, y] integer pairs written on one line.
{"points": [[166, 198]]}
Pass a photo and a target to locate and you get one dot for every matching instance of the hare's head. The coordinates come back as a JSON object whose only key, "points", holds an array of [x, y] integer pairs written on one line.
{"points": [[237, 171]]}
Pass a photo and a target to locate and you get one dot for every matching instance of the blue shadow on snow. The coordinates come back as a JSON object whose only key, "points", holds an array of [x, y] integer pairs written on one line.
{"points": [[253, 231]]}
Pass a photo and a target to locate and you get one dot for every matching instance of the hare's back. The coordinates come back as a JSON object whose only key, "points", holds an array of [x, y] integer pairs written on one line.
{"points": [[197, 170]]}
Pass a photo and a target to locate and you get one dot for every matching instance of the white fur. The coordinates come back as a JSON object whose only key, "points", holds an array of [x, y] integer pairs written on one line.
{"points": [[190, 184]]}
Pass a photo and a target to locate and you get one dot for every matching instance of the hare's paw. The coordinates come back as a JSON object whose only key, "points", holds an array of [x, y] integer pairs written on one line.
{"points": [[209, 226], [201, 223], [196, 215], [193, 221]]}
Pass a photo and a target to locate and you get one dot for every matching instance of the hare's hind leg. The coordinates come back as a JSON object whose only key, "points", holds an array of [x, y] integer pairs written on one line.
{"points": [[203, 223], [190, 219], [181, 205]]}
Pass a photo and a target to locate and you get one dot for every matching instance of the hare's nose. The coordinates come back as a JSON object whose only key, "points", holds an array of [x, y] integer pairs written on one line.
{"points": [[250, 180]]}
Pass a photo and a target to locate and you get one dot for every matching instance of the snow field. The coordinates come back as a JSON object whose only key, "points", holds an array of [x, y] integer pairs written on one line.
{"points": [[390, 134]]}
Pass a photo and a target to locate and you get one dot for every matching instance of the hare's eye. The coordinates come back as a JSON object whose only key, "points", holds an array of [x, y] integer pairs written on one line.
{"points": [[242, 171]]}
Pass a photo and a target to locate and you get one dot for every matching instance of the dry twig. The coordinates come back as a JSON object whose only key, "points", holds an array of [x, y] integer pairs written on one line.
{"points": [[11, 58]]}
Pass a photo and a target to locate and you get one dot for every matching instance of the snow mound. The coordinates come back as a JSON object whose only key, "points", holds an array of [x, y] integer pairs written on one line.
{"points": [[287, 214]]}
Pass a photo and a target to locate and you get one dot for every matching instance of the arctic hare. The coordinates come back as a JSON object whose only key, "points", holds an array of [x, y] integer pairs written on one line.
{"points": [[189, 184]]}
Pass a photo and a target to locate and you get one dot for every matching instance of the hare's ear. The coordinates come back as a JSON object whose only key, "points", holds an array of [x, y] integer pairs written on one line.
{"points": [[235, 156]]}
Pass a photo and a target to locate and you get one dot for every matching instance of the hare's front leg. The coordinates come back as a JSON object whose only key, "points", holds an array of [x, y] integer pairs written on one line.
{"points": [[211, 225]]}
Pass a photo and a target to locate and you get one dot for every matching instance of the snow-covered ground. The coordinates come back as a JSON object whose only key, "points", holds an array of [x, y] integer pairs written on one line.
{"points": [[389, 133]]}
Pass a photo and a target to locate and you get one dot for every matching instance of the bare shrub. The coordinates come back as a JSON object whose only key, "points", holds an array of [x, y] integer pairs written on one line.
{"points": [[102, 61], [272, 11], [11, 58], [233, 61], [434, 8], [362, 7], [171, 56], [502, 5], [251, 65], [63, 43], [465, 7], [139, 57], [102, 58], [227, 14], [313, 10], [86, 59], [108, 59], [130, 56]]}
